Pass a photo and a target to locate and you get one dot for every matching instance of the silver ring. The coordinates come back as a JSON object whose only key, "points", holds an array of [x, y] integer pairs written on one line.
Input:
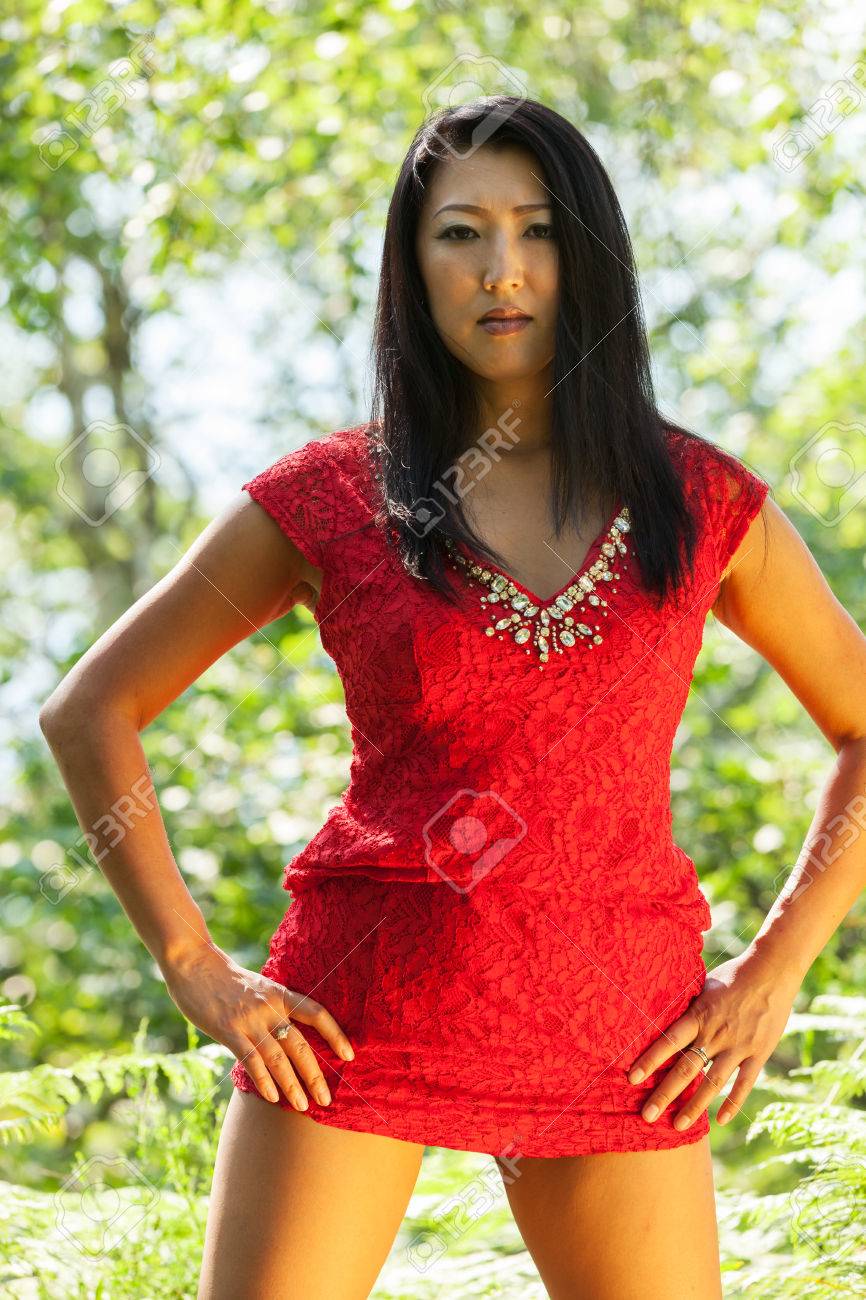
{"points": [[282, 1031], [700, 1051]]}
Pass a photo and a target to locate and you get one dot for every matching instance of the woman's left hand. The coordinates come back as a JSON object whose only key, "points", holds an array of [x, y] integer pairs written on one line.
{"points": [[737, 1018]]}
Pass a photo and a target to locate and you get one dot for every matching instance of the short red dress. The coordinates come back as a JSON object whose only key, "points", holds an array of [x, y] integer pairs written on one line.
{"points": [[495, 911]]}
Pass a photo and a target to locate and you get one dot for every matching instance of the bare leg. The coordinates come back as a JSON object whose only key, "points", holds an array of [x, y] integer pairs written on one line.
{"points": [[299, 1208], [636, 1225]]}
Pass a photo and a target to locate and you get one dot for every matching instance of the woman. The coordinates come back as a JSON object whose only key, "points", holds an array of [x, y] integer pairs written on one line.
{"points": [[511, 565]]}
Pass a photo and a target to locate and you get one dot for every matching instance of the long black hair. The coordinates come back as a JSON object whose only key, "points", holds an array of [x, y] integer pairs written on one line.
{"points": [[607, 433]]}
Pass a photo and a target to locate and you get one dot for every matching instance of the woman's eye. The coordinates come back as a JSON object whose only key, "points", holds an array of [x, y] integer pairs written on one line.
{"points": [[451, 229], [467, 230]]}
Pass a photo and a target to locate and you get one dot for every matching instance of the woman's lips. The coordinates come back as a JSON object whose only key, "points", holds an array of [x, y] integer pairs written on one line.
{"points": [[508, 326]]}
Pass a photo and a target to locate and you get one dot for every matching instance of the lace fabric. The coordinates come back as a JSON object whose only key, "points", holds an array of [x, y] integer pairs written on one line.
{"points": [[492, 1021], [500, 872], [433, 706]]}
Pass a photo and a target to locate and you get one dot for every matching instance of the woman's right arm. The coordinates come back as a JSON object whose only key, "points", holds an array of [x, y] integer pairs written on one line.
{"points": [[240, 574]]}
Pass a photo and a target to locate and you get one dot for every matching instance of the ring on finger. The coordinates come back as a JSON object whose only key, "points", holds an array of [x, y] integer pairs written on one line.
{"points": [[283, 1031], [693, 1047]]}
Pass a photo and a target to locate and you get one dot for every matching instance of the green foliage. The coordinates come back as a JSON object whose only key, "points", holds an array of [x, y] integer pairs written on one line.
{"points": [[34, 1101], [808, 1238], [194, 138], [129, 1218]]}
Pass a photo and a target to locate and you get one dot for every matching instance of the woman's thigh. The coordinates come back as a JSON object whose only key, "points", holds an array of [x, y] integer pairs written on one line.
{"points": [[636, 1225], [299, 1208]]}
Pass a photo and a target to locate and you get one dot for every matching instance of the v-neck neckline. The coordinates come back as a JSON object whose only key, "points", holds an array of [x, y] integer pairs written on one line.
{"points": [[588, 560]]}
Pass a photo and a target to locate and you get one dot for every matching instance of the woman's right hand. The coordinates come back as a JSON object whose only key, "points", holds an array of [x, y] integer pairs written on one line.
{"points": [[240, 1008]]}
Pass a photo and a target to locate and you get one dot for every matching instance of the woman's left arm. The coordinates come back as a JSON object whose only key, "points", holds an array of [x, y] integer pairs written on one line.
{"points": [[781, 605]]}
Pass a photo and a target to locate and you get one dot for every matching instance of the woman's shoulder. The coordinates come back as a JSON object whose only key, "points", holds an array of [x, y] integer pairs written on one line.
{"points": [[704, 464], [325, 464], [727, 492], [345, 443], [319, 490], [347, 450], [716, 480]]}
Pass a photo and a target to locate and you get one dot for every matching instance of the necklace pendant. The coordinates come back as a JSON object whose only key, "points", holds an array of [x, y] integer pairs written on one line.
{"points": [[547, 627]]}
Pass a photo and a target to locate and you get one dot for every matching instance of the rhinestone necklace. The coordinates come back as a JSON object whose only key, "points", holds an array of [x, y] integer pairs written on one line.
{"points": [[552, 625]]}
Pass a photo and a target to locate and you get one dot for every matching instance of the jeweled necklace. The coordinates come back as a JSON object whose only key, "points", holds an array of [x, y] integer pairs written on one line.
{"points": [[556, 625], [550, 625]]}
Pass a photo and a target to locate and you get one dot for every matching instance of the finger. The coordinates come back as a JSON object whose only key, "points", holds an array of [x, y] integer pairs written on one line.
{"points": [[746, 1077], [277, 1064], [276, 1068], [673, 1039], [311, 1012], [714, 1080], [253, 1063], [306, 1064], [678, 1077]]}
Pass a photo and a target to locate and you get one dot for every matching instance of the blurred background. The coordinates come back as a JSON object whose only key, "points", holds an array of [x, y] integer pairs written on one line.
{"points": [[191, 216]]}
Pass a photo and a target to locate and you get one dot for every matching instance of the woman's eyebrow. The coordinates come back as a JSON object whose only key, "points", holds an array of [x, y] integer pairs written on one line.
{"points": [[472, 207]]}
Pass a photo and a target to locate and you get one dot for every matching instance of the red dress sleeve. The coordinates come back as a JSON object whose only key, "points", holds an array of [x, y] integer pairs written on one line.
{"points": [[733, 497], [296, 491]]}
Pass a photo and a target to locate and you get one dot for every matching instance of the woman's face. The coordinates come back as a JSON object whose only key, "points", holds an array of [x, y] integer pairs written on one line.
{"points": [[494, 255]]}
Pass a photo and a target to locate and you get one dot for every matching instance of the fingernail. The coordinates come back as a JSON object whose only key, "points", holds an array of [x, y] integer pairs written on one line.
{"points": [[347, 1054], [635, 1076], [271, 1094], [651, 1112], [682, 1121], [323, 1096]]}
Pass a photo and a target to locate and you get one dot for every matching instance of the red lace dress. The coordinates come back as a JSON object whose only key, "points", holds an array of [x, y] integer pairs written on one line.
{"points": [[495, 911]]}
